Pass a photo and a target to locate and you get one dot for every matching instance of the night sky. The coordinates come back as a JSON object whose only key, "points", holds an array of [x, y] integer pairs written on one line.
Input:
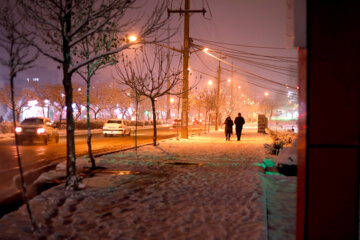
{"points": [[258, 23]]}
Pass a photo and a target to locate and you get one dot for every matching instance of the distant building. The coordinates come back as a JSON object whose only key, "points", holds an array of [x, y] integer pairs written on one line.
{"points": [[38, 74]]}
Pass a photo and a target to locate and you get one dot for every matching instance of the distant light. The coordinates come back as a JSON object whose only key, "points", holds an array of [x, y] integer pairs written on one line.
{"points": [[210, 82], [18, 129], [32, 103], [229, 80], [239, 87], [189, 69], [266, 94], [132, 38], [171, 100], [205, 50]]}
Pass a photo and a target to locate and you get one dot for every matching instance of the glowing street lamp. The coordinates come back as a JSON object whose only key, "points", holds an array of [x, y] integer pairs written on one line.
{"points": [[229, 80], [210, 82], [171, 100], [266, 94], [132, 38]]}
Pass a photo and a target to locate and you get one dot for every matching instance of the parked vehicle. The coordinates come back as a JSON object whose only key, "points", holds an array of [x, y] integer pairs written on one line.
{"points": [[176, 123], [37, 128], [116, 127]]}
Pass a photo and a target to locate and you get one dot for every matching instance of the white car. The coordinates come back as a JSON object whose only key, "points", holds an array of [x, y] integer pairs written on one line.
{"points": [[115, 127]]}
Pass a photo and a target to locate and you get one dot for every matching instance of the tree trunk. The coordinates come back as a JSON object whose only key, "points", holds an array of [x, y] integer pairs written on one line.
{"points": [[17, 115], [60, 117], [91, 156], [154, 120], [72, 182], [22, 179]]}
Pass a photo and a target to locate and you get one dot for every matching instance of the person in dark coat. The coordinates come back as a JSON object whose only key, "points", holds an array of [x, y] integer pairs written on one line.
{"points": [[228, 127], [239, 122]]}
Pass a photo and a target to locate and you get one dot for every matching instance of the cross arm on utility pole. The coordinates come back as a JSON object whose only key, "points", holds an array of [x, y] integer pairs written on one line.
{"points": [[203, 11]]}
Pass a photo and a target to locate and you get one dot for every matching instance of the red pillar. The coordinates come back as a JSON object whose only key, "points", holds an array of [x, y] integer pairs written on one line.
{"points": [[328, 181]]}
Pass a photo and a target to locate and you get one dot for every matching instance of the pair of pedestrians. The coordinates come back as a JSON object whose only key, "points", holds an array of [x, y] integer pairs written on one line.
{"points": [[239, 122]]}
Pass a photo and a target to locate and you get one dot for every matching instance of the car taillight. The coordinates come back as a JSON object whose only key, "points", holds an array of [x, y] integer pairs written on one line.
{"points": [[40, 130], [18, 129]]}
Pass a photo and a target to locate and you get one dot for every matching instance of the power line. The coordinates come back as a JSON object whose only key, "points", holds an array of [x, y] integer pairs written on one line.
{"points": [[240, 45], [250, 73]]}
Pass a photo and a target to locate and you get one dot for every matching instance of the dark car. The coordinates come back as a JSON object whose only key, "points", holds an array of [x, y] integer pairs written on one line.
{"points": [[37, 128]]}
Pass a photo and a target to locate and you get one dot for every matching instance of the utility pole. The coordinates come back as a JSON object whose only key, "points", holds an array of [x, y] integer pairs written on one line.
{"points": [[217, 99], [185, 94], [168, 103], [232, 89]]}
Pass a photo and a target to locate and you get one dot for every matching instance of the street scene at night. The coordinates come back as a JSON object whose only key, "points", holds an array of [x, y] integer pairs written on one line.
{"points": [[169, 119]]}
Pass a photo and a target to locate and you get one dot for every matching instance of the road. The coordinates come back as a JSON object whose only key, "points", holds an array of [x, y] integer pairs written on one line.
{"points": [[37, 156]]}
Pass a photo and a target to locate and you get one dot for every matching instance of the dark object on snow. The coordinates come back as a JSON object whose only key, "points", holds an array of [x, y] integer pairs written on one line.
{"points": [[239, 122], [287, 170], [228, 127]]}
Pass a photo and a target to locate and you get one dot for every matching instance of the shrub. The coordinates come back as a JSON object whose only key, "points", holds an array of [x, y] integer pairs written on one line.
{"points": [[82, 124], [6, 127]]}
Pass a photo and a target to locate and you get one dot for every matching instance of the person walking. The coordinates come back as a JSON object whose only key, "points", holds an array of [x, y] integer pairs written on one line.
{"points": [[239, 122], [228, 127]]}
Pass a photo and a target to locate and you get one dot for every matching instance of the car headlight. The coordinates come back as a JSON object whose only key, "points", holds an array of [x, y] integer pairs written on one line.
{"points": [[40, 130], [18, 129]]}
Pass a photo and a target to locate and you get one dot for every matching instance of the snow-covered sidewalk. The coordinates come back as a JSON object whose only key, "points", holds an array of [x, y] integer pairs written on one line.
{"points": [[198, 188]]}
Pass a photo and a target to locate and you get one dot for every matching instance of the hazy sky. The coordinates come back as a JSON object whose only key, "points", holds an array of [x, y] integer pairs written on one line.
{"points": [[241, 22], [256, 23]]}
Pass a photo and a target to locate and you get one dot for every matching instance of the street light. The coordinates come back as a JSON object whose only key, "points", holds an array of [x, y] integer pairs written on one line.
{"points": [[229, 80], [266, 94], [132, 38], [210, 82]]}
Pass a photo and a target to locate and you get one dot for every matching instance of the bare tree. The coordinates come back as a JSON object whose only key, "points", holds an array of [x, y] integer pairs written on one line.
{"points": [[151, 77], [208, 98], [20, 103], [16, 58], [89, 47], [97, 94], [60, 26], [56, 97]]}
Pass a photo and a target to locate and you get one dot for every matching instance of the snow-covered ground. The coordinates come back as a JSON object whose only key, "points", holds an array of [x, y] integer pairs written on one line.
{"points": [[198, 188]]}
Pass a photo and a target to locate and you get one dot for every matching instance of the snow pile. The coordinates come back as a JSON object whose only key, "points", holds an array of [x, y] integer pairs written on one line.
{"points": [[199, 188]]}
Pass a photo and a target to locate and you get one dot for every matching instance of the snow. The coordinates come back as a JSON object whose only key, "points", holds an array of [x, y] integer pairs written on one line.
{"points": [[198, 188]]}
